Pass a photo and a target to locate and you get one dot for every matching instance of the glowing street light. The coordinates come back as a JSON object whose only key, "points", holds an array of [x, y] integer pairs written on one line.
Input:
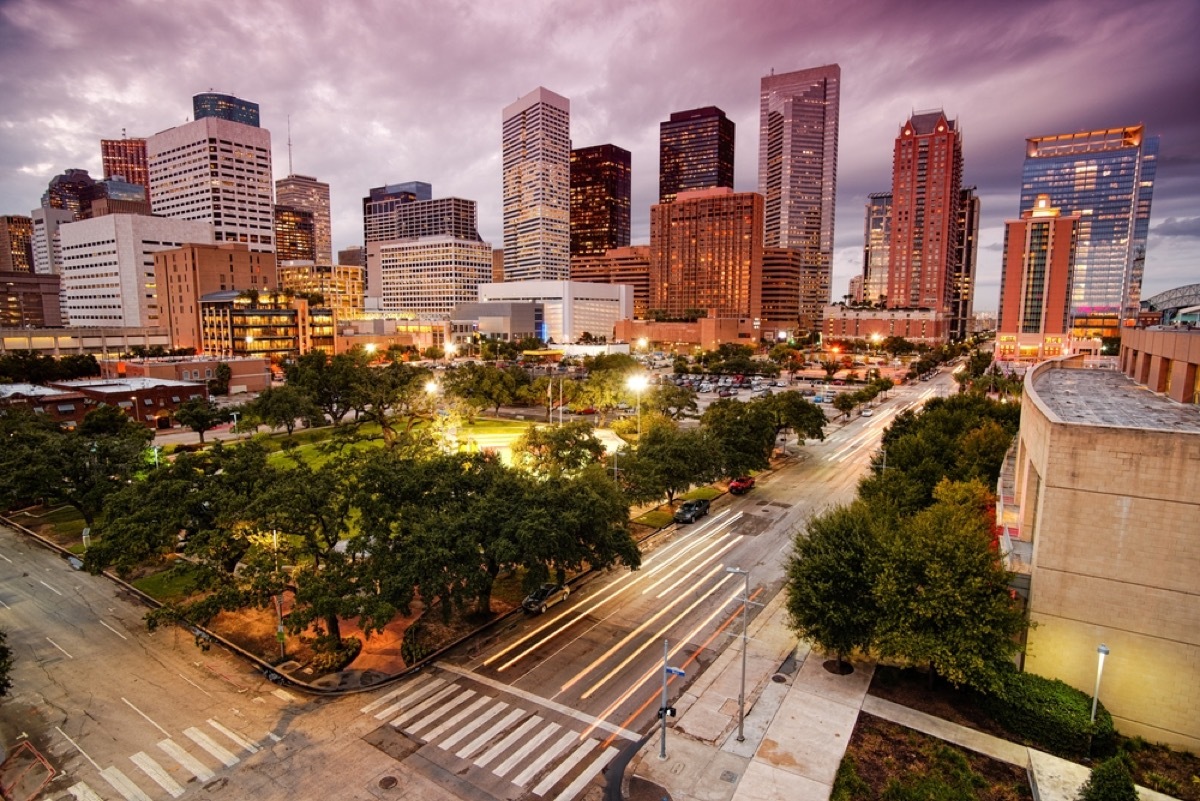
{"points": [[637, 383], [450, 350], [1101, 652], [431, 387]]}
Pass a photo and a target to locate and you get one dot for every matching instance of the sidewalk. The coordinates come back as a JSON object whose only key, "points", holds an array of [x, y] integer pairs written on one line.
{"points": [[798, 723]]}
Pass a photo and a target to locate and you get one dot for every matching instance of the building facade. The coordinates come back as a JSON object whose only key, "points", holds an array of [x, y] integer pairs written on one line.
{"points": [[706, 255], [16, 244], [355, 255], [306, 192], [537, 187], [919, 326], [106, 341], [695, 151], [265, 325], [29, 300], [877, 242], [962, 266], [429, 275], [71, 191], [219, 172], [47, 246], [341, 285], [1165, 359], [127, 158], [118, 196], [295, 234], [570, 308], [1035, 285], [797, 163], [629, 266], [214, 105], [1107, 178], [600, 196], [405, 217], [108, 276]]}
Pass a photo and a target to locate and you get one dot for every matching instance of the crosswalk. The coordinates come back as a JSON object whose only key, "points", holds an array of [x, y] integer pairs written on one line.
{"points": [[166, 772], [503, 737]]}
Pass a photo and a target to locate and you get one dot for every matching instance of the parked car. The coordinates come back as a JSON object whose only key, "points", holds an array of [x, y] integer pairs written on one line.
{"points": [[741, 485], [588, 410], [545, 597], [691, 511], [867, 412]]}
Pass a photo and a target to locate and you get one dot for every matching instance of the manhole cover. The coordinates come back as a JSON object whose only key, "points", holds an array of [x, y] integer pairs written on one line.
{"points": [[388, 782], [779, 678], [728, 776]]}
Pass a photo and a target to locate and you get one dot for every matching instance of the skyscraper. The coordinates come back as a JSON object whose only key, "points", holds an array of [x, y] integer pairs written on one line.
{"points": [[926, 192], [224, 107], [16, 244], [797, 161], [295, 236], [877, 242], [73, 191], [695, 151], [126, 158], [962, 266], [600, 189], [537, 187], [306, 192], [218, 171], [1107, 178]]}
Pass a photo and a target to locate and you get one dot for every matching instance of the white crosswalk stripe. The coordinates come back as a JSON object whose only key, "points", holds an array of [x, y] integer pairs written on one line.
{"points": [[482, 740], [555, 776], [123, 784], [460, 698], [208, 744], [459, 718], [472, 725], [412, 697], [394, 694], [508, 742], [412, 713], [186, 760], [156, 772], [545, 758], [581, 781], [232, 735], [533, 742], [81, 792]]}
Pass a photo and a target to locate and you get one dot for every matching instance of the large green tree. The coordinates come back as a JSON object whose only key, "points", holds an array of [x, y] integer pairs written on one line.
{"points": [[331, 382], [792, 410], [670, 401], [668, 461], [200, 415], [483, 386], [547, 451], [743, 435], [283, 407]]}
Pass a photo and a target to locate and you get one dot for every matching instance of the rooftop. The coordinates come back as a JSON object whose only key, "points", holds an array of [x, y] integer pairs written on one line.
{"points": [[30, 390], [1109, 398], [129, 384]]}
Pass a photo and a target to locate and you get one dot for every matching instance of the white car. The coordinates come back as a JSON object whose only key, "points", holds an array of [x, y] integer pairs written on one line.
{"points": [[868, 412]]}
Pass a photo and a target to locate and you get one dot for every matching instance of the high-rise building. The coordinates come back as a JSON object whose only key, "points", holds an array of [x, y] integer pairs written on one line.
{"points": [[341, 285], [877, 241], [1106, 177], [629, 266], [47, 251], [306, 192], [926, 192], [117, 196], [706, 255], [428, 275], [126, 158], [797, 161], [537, 187], [1035, 284], [16, 244], [600, 191], [188, 273], [406, 217], [224, 107], [72, 190], [28, 300], [295, 234], [108, 267], [217, 171], [355, 255], [695, 151], [962, 266]]}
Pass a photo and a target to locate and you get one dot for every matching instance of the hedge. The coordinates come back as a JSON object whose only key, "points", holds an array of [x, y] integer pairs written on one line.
{"points": [[1052, 715]]}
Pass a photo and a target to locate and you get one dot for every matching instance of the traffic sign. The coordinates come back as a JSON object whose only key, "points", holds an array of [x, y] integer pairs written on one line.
{"points": [[674, 671]]}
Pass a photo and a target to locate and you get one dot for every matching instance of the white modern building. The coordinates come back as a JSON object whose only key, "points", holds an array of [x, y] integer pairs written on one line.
{"points": [[537, 187], [306, 192], [429, 275], [218, 172], [108, 267], [570, 308], [46, 246]]}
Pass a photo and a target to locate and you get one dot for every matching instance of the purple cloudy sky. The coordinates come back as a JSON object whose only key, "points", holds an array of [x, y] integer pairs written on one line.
{"points": [[398, 90]]}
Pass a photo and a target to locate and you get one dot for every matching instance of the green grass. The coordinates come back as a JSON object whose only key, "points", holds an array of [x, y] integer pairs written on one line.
{"points": [[655, 519], [708, 493], [169, 585]]}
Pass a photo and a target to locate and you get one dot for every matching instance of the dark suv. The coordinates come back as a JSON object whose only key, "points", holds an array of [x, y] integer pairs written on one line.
{"points": [[691, 511]]}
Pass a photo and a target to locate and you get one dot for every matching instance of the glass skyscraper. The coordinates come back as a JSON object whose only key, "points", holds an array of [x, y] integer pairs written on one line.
{"points": [[600, 188], [1107, 178], [224, 107], [695, 151]]}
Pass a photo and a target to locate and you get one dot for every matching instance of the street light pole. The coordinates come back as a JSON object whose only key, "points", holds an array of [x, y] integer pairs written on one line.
{"points": [[662, 747], [741, 735], [1101, 652]]}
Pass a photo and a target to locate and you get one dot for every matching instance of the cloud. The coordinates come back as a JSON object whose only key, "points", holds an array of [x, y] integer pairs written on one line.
{"points": [[1178, 226]]}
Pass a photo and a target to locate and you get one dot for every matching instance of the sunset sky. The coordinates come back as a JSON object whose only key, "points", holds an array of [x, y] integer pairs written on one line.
{"points": [[391, 91]]}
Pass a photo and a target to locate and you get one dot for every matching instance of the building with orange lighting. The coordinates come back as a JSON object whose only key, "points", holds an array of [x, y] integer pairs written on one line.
{"points": [[629, 266], [126, 158]]}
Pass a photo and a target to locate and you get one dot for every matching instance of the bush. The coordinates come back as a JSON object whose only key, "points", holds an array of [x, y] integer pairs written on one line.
{"points": [[1051, 714], [1110, 781]]}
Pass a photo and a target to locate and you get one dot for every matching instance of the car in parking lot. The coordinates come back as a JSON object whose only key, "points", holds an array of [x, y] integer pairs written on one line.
{"points": [[741, 485], [545, 597], [691, 511]]}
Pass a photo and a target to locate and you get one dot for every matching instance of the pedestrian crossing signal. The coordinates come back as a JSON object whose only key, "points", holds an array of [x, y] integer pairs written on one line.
{"points": [[668, 711]]}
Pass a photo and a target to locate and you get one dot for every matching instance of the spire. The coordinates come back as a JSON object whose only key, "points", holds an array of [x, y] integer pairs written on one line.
{"points": [[289, 120]]}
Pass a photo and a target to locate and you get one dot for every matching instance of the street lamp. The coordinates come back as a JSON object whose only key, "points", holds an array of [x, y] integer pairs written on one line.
{"points": [[741, 735], [1101, 652], [135, 411], [638, 383], [450, 350], [431, 387], [233, 428]]}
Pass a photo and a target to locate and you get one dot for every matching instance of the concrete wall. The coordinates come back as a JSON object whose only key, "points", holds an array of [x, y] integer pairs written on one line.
{"points": [[1166, 360]]}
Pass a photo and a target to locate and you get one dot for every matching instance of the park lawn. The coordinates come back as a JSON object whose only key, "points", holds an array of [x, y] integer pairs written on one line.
{"points": [[167, 585], [706, 492], [63, 524], [656, 518]]}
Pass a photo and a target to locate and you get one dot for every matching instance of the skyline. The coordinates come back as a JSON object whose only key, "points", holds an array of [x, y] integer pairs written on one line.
{"points": [[398, 93]]}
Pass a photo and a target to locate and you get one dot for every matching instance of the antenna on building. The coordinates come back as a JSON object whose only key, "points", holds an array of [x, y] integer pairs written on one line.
{"points": [[772, 71], [123, 134], [290, 170]]}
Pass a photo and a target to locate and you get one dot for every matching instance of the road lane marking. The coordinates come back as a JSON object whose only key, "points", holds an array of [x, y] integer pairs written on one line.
{"points": [[194, 684], [186, 760], [147, 717], [6, 606], [210, 745], [114, 631], [583, 778], [578, 677], [448, 724], [553, 777], [383, 699], [416, 693], [77, 748], [472, 725], [543, 734], [461, 697], [686, 576], [479, 742], [437, 697], [47, 586], [81, 792], [695, 540], [155, 771], [59, 647], [5, 558], [123, 784], [232, 735], [545, 758], [509, 741]]}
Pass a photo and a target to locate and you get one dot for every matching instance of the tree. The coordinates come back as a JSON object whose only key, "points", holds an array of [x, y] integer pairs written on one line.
{"points": [[200, 415], [831, 578], [1110, 780], [219, 383], [792, 410], [551, 451], [742, 435], [551, 393], [330, 383], [670, 401], [396, 398], [483, 386], [282, 407], [830, 368], [845, 403], [6, 661], [668, 460]]}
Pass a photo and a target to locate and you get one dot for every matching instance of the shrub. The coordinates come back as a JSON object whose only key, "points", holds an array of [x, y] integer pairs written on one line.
{"points": [[1162, 784], [847, 784], [1110, 781], [1051, 714]]}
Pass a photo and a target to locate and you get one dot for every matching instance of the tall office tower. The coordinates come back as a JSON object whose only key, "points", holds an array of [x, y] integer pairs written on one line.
{"points": [[306, 192], [537, 187], [428, 275], [962, 266], [30, 301], [73, 190], [47, 250], [877, 241], [188, 273], [781, 278], [600, 190], [629, 266], [498, 266], [797, 161], [16, 244], [1107, 178], [224, 107], [926, 192], [396, 218], [117, 196], [126, 158], [354, 256], [218, 171], [695, 151], [1040, 250], [108, 267], [706, 255], [295, 234]]}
